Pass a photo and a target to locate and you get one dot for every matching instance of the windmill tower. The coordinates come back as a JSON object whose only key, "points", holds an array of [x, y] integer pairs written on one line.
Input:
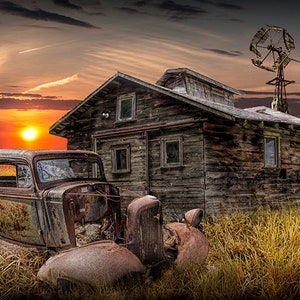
{"points": [[272, 46]]}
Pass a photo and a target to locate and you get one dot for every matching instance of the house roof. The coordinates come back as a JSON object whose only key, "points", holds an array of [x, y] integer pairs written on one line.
{"points": [[222, 110]]}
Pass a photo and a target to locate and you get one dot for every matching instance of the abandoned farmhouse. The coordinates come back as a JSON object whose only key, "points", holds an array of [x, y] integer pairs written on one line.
{"points": [[183, 140]]}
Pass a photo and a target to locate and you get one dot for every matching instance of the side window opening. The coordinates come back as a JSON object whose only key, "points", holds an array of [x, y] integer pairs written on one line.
{"points": [[17, 176], [121, 159], [126, 107], [271, 151], [8, 175], [171, 151]]}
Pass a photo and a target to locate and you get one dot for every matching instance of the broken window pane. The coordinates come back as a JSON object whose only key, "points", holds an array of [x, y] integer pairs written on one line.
{"points": [[24, 176]]}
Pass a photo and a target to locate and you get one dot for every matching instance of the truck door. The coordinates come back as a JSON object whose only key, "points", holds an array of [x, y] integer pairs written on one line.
{"points": [[18, 204]]}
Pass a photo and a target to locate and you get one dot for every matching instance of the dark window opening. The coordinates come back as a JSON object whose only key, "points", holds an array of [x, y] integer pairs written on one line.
{"points": [[121, 159], [126, 107], [171, 152]]}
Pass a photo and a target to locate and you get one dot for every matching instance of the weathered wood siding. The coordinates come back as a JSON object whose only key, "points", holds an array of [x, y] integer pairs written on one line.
{"points": [[192, 86], [235, 171], [223, 161], [207, 92], [181, 187], [134, 183]]}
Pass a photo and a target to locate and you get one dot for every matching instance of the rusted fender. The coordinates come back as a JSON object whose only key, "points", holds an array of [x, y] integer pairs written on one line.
{"points": [[95, 264], [191, 244], [194, 216]]}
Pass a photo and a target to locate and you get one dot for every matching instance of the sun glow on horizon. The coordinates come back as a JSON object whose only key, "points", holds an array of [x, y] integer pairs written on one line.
{"points": [[29, 134]]}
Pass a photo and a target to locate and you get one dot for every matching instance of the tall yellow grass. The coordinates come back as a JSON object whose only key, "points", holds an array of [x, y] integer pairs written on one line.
{"points": [[252, 256]]}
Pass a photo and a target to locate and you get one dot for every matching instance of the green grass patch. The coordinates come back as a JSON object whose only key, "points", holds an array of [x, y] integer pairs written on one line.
{"points": [[253, 255]]}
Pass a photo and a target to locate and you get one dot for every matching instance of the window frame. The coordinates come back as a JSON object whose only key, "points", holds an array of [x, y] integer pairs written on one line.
{"points": [[164, 156], [15, 181], [114, 163], [275, 151], [124, 97]]}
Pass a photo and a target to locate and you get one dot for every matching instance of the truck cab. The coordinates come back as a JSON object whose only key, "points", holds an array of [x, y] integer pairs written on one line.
{"points": [[56, 199]]}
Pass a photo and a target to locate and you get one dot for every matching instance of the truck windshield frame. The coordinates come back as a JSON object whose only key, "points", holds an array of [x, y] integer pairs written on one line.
{"points": [[56, 169]]}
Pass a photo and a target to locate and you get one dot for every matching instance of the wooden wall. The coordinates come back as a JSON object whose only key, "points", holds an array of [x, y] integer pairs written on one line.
{"points": [[134, 183], [178, 187], [223, 160], [235, 171]]}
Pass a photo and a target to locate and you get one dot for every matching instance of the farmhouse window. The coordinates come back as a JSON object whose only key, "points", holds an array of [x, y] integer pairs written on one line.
{"points": [[126, 107], [121, 159], [271, 151], [171, 152]]}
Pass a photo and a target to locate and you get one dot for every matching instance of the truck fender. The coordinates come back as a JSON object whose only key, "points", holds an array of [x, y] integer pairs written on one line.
{"points": [[95, 264], [190, 245]]}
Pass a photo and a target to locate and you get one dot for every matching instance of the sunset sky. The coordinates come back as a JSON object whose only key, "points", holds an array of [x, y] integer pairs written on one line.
{"points": [[54, 53]]}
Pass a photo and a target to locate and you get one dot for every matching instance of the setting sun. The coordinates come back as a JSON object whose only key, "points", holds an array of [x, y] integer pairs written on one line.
{"points": [[29, 134]]}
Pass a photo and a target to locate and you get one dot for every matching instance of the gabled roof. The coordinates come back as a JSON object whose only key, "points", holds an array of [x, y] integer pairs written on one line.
{"points": [[222, 110]]}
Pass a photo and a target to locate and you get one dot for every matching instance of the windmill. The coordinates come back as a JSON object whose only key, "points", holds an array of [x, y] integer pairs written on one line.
{"points": [[272, 46]]}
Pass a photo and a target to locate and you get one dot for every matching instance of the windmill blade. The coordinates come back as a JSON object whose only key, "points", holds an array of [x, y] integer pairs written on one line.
{"points": [[288, 41], [259, 38], [254, 50], [258, 63]]}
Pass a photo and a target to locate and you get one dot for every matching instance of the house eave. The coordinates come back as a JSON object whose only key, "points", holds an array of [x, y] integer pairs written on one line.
{"points": [[57, 128], [224, 111]]}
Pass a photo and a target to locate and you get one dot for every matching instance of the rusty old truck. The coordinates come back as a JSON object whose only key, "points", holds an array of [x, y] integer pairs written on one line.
{"points": [[60, 200]]}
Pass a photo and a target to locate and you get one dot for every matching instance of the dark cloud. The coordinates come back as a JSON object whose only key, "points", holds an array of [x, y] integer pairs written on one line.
{"points": [[39, 14], [41, 104], [140, 3], [179, 11], [66, 3], [223, 52], [131, 11], [43, 27], [205, 2], [229, 6], [170, 5], [235, 20]]}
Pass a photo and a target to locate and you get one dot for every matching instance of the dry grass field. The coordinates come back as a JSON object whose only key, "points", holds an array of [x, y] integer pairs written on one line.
{"points": [[252, 256]]}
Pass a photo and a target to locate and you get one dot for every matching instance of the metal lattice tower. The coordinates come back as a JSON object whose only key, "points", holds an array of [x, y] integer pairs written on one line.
{"points": [[272, 46]]}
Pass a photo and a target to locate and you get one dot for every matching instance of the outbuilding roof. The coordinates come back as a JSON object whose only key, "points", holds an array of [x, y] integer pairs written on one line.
{"points": [[170, 72]]}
